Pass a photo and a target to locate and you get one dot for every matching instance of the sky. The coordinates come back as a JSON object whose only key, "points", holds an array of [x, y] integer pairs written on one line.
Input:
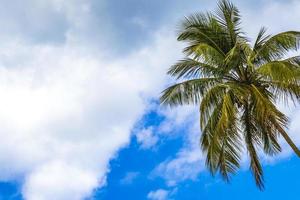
{"points": [[79, 112]]}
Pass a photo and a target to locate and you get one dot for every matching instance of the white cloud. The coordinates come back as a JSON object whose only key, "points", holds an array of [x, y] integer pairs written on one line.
{"points": [[65, 113], [66, 109], [146, 138], [159, 194], [129, 178], [189, 160], [51, 114], [65, 182], [176, 117]]}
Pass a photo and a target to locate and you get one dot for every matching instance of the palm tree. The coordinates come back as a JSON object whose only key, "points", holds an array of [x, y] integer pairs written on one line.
{"points": [[237, 85]]}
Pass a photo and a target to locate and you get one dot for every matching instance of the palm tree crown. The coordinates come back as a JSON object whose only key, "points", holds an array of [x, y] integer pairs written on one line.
{"points": [[237, 85]]}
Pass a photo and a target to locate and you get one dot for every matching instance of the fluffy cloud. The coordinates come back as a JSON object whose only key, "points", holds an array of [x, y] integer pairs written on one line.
{"points": [[67, 108], [58, 180], [65, 113], [159, 194], [129, 178], [58, 120], [146, 138], [189, 160]]}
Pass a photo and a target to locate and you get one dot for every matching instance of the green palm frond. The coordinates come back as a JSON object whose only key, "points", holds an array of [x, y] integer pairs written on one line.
{"points": [[203, 29], [277, 46], [261, 39], [284, 91], [251, 138], [205, 52], [220, 139], [187, 92], [280, 71], [190, 68], [210, 101], [294, 60], [229, 18]]}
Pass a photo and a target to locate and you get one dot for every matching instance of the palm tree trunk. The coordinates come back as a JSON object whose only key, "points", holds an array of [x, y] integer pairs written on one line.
{"points": [[287, 138], [290, 142]]}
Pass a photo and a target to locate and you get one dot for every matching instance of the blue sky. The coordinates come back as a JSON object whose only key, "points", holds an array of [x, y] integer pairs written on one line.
{"points": [[80, 119]]}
